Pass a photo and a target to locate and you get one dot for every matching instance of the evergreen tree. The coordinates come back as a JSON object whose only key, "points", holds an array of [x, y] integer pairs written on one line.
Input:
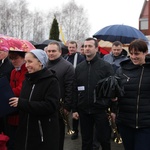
{"points": [[54, 31]]}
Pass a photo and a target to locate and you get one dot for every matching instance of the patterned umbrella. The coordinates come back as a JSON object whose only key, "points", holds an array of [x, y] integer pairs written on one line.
{"points": [[8, 43]]}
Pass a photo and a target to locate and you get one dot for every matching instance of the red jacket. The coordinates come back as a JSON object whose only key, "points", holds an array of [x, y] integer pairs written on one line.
{"points": [[16, 79]]}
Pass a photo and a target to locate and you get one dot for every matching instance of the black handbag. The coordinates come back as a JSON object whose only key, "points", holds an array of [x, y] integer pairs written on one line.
{"points": [[109, 88]]}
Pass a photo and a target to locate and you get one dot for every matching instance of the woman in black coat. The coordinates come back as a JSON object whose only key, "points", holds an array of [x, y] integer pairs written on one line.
{"points": [[133, 117], [38, 105]]}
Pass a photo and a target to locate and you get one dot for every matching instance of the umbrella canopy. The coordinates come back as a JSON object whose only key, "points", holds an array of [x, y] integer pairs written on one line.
{"points": [[46, 42], [33, 42], [27, 46], [8, 43], [122, 33]]}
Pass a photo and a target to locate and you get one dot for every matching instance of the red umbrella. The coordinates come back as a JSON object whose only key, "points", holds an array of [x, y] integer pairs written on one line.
{"points": [[27, 46], [13, 44]]}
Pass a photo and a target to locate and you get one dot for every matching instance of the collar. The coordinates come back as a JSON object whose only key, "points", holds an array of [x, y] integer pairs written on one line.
{"points": [[96, 57], [19, 68], [1, 62], [55, 61]]}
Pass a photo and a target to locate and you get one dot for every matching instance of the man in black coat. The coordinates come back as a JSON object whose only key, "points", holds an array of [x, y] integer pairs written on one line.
{"points": [[5, 69], [65, 73], [5, 65], [92, 113]]}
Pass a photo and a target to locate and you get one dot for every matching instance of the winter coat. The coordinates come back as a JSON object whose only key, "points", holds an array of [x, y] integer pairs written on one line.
{"points": [[87, 75], [134, 106], [5, 68], [38, 105], [16, 79], [116, 60], [65, 73]]}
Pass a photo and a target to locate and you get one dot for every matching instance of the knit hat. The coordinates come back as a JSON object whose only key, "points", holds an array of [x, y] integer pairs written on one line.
{"points": [[41, 56]]}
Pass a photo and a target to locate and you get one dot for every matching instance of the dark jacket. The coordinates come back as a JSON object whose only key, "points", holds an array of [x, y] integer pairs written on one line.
{"points": [[70, 58], [87, 75], [5, 68], [134, 106], [65, 73], [38, 104]]}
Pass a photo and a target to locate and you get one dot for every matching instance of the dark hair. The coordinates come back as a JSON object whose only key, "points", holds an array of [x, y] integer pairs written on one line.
{"points": [[73, 42], [18, 53], [95, 41], [82, 46], [138, 45], [117, 43], [55, 43]]}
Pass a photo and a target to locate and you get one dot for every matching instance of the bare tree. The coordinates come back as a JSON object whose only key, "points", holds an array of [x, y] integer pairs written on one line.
{"points": [[14, 18], [5, 16], [21, 17], [38, 27], [17, 21], [74, 22]]}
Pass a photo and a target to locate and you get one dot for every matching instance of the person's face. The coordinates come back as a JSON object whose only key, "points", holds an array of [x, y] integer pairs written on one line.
{"points": [[82, 50], [89, 49], [72, 48], [32, 63], [17, 61], [137, 57], [53, 52], [116, 50], [3, 54]]}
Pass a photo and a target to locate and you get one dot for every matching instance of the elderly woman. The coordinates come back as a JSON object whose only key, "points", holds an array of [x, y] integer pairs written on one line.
{"points": [[16, 78], [38, 105]]}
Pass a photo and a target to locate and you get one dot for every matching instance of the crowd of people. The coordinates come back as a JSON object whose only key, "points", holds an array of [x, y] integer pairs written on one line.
{"points": [[49, 88]]}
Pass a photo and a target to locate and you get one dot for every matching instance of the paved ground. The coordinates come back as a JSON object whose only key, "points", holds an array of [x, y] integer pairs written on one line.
{"points": [[76, 144]]}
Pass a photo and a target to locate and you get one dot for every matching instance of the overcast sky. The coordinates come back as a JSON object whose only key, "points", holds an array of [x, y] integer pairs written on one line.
{"points": [[101, 13]]}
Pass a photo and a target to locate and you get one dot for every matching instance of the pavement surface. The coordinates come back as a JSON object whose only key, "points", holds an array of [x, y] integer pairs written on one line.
{"points": [[76, 144]]}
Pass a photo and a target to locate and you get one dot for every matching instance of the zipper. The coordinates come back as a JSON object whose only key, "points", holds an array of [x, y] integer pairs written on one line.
{"points": [[41, 131], [88, 83], [128, 78], [138, 98], [94, 95], [28, 119]]}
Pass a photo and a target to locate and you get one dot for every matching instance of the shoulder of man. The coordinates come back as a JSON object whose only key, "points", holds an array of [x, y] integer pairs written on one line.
{"points": [[65, 56], [107, 56]]}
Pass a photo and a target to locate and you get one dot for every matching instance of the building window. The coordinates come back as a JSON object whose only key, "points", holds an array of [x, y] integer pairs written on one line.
{"points": [[144, 24]]}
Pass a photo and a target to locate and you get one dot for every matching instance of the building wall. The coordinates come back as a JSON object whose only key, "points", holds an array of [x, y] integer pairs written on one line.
{"points": [[144, 20]]}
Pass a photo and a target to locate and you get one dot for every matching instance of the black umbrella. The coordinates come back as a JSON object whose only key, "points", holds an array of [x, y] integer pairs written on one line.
{"points": [[123, 33], [33, 42], [46, 42], [109, 88]]}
